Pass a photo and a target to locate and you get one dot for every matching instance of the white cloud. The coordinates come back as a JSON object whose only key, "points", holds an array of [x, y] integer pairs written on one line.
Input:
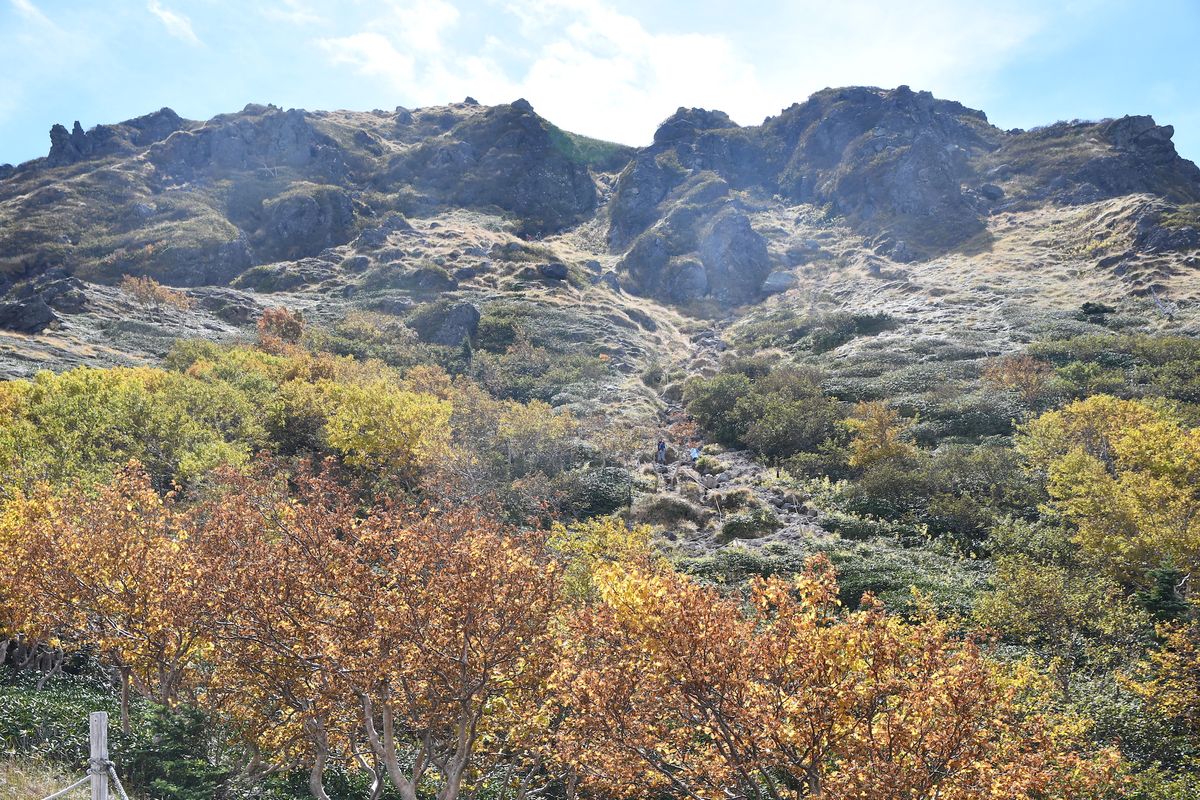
{"points": [[177, 24], [585, 66], [30, 12], [595, 69], [602, 72], [371, 54], [418, 25], [404, 46], [942, 45], [294, 12]]}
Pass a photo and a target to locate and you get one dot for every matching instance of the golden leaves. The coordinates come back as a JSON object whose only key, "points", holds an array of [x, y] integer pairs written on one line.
{"points": [[671, 685]]}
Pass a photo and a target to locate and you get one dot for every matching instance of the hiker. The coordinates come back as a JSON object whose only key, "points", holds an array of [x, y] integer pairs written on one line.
{"points": [[694, 454], [661, 456]]}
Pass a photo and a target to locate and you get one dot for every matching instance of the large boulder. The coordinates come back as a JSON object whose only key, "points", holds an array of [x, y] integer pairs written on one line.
{"points": [[229, 305], [643, 185], [377, 236], [735, 258], [555, 271], [303, 222], [285, 276], [778, 281], [446, 324], [685, 123], [686, 280], [646, 262], [28, 315]]}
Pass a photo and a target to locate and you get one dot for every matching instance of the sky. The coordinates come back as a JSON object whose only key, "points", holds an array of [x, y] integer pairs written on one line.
{"points": [[612, 69]]}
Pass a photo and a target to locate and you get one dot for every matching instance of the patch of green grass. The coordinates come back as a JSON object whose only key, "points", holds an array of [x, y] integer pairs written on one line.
{"points": [[595, 153]]}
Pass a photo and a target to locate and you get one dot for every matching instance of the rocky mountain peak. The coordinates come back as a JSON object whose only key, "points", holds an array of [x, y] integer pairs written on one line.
{"points": [[705, 215], [687, 122], [916, 175], [105, 140]]}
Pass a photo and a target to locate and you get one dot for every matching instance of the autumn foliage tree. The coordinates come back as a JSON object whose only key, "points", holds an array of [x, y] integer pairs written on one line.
{"points": [[672, 688], [149, 292], [108, 571], [1029, 378], [1123, 472], [879, 434], [278, 326], [446, 653], [407, 637]]}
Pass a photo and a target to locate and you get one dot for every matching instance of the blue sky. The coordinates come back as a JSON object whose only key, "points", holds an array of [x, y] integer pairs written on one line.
{"points": [[607, 68]]}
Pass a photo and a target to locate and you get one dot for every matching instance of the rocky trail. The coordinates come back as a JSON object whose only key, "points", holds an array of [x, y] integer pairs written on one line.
{"points": [[724, 498]]}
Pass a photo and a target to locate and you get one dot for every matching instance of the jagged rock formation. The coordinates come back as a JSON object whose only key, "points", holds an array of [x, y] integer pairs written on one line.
{"points": [[105, 140], [432, 213], [916, 175], [505, 157]]}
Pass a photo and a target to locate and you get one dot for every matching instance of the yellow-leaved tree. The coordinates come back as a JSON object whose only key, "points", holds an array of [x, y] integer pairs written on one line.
{"points": [[1124, 473], [879, 432], [385, 429], [593, 545]]}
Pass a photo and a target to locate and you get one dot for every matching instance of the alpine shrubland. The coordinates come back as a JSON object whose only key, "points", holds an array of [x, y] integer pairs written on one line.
{"points": [[329, 465]]}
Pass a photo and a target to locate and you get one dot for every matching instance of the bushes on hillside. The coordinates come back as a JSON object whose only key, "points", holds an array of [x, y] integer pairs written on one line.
{"points": [[776, 413]]}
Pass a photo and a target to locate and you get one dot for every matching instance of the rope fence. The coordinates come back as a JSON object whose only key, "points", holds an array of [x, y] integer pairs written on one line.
{"points": [[100, 769]]}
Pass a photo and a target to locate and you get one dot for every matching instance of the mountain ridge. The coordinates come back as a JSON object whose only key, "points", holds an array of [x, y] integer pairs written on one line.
{"points": [[470, 204]]}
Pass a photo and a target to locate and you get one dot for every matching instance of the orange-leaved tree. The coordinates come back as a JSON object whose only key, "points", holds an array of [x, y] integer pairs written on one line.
{"points": [[671, 687], [107, 570], [406, 639]]}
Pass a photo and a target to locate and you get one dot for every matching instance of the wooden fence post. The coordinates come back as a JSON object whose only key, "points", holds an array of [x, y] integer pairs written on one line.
{"points": [[98, 764]]}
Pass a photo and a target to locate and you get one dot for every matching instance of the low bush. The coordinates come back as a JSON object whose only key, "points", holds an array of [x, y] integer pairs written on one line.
{"points": [[752, 524], [597, 492], [666, 510]]}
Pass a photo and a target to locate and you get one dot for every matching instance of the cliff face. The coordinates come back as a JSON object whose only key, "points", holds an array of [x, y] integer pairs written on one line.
{"points": [[916, 176], [709, 218]]}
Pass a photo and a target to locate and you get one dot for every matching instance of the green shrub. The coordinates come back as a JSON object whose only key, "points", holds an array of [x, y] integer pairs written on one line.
{"points": [[597, 492], [735, 499], [712, 400], [752, 524], [165, 753], [881, 566], [666, 510], [855, 527], [499, 327]]}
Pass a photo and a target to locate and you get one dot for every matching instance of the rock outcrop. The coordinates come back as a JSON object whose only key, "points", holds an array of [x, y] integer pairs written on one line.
{"points": [[446, 324], [915, 175], [504, 157], [303, 222], [69, 147], [1082, 162], [259, 137]]}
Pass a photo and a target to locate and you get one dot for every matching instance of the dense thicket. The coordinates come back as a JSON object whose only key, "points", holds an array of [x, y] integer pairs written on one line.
{"points": [[308, 572]]}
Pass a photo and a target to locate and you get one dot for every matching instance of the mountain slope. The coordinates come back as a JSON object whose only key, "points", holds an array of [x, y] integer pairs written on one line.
{"points": [[874, 201]]}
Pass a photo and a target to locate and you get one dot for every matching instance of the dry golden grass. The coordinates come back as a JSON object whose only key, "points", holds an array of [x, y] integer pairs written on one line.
{"points": [[22, 779]]}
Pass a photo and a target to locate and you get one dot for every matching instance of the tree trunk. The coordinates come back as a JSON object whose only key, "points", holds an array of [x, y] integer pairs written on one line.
{"points": [[125, 700], [316, 776]]}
